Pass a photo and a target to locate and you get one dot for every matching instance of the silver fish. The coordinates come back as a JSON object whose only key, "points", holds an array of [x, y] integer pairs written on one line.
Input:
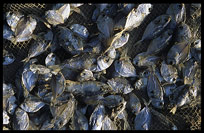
{"points": [[105, 25], [155, 91], [141, 83], [52, 59], [124, 67], [169, 72], [5, 117], [20, 120], [8, 57], [80, 30], [8, 33], [156, 26], [86, 88], [97, 117], [159, 43], [13, 19], [120, 85], [105, 60], [178, 14], [41, 44], [143, 119], [136, 16], [134, 103], [183, 33], [32, 104], [178, 53], [58, 15]]}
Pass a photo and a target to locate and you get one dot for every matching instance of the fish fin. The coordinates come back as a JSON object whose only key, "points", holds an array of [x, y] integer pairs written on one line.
{"points": [[173, 110]]}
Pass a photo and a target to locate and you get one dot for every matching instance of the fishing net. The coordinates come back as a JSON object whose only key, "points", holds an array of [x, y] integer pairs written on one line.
{"points": [[188, 118]]}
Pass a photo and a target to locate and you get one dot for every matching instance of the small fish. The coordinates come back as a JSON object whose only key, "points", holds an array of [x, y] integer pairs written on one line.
{"points": [[105, 59], [134, 103], [155, 28], [124, 67], [136, 16], [32, 104], [178, 53], [120, 85], [155, 91], [13, 19], [8, 33], [183, 33], [52, 59], [6, 118], [58, 15], [20, 120], [85, 75], [169, 72], [41, 44], [141, 83], [105, 25], [119, 39], [8, 57], [159, 43], [123, 116], [178, 14], [143, 119], [97, 117], [80, 30], [86, 88]]}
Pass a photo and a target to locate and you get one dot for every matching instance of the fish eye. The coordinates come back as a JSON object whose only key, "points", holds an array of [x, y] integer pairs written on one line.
{"points": [[171, 63], [180, 27], [106, 59]]}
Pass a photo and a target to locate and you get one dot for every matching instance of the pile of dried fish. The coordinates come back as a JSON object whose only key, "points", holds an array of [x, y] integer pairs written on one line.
{"points": [[95, 88]]}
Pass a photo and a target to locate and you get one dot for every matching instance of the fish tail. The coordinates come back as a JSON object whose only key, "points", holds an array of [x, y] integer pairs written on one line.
{"points": [[173, 110]]}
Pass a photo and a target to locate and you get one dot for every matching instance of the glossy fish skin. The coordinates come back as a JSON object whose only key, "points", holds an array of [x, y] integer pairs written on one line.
{"points": [[120, 85], [134, 103], [105, 59], [8, 57], [97, 117], [181, 97], [178, 14], [105, 25], [85, 75], [86, 88], [81, 62], [156, 26], [52, 59], [32, 104], [20, 120], [25, 29], [119, 39], [40, 45], [169, 73], [178, 53], [108, 124], [189, 71], [58, 15], [159, 43], [136, 16], [80, 30], [57, 84], [13, 19], [125, 68], [143, 119], [183, 33], [155, 91]]}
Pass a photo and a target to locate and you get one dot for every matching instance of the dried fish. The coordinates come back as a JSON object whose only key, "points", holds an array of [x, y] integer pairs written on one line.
{"points": [[8, 57]]}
